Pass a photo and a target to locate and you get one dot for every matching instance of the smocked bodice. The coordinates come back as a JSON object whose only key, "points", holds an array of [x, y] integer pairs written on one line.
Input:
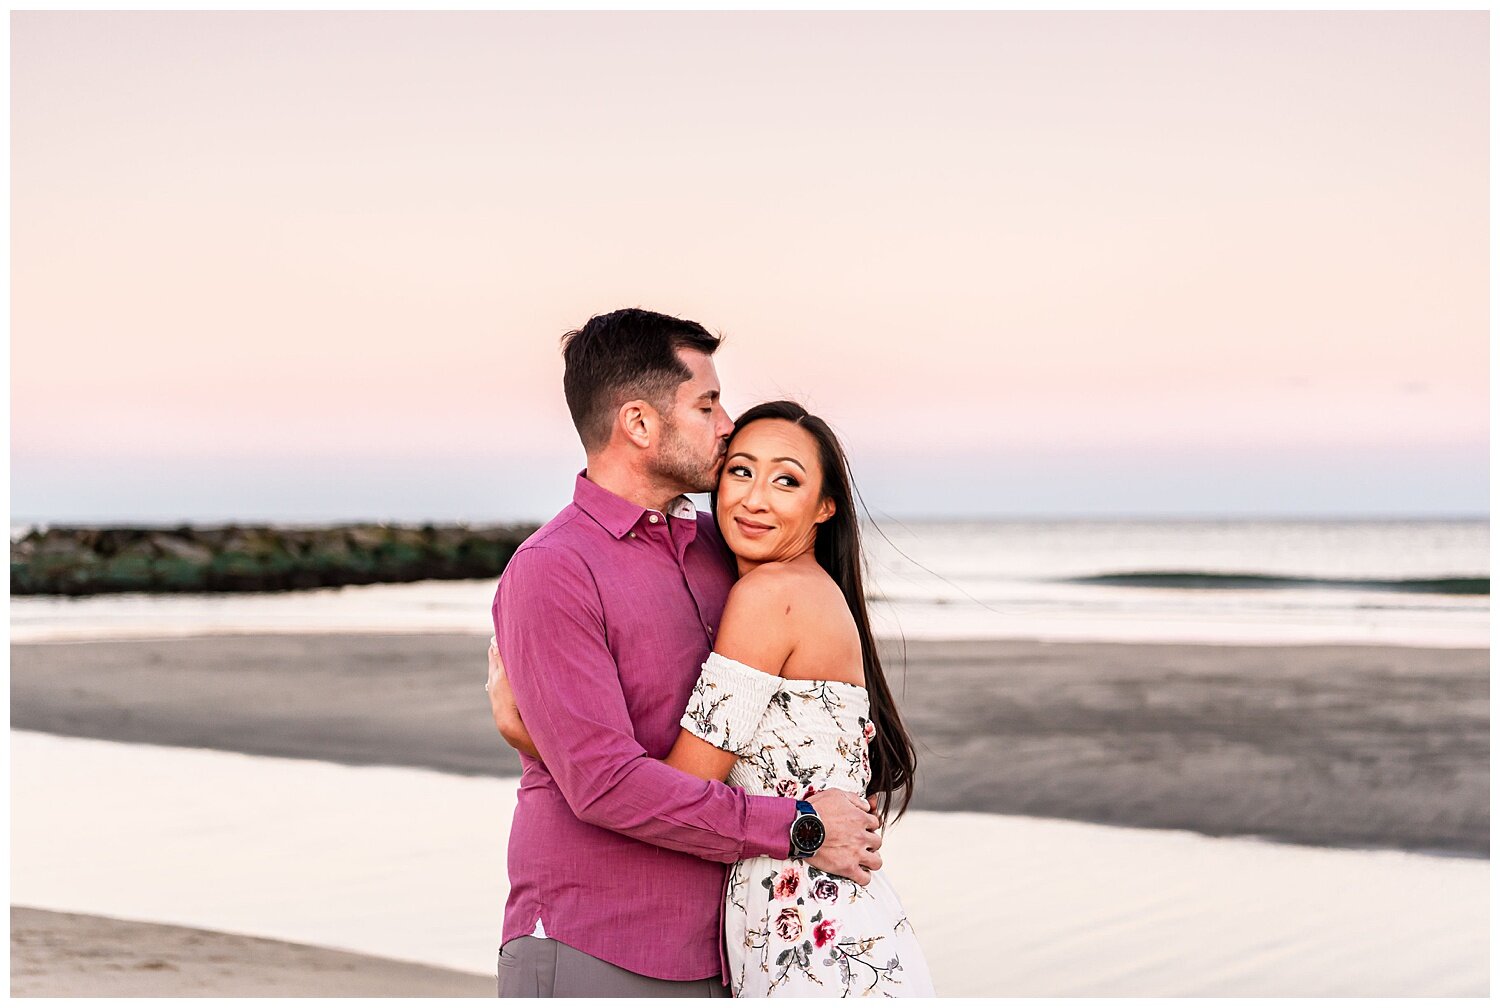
{"points": [[793, 736]]}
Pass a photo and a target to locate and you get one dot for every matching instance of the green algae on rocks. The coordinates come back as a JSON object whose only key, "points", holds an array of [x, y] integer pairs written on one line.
{"points": [[80, 560]]}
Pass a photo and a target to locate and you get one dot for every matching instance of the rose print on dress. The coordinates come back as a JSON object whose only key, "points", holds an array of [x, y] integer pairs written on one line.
{"points": [[825, 890], [788, 884], [789, 924], [792, 929]]}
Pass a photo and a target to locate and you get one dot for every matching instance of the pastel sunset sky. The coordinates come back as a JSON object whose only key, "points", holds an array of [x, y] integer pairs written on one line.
{"points": [[315, 266]]}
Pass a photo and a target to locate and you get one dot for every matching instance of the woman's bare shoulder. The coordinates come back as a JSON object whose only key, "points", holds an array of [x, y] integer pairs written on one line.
{"points": [[754, 628], [786, 582], [805, 609]]}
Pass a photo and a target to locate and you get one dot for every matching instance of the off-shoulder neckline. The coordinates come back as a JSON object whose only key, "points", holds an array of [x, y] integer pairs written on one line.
{"points": [[825, 682], [811, 682]]}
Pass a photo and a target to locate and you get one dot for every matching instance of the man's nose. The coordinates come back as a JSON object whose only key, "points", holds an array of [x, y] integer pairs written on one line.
{"points": [[725, 426]]}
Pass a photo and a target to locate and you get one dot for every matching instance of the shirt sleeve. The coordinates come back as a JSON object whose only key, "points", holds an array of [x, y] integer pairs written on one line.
{"points": [[549, 624], [728, 703]]}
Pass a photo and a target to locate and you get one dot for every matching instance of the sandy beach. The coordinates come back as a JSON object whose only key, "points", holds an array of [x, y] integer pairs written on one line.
{"points": [[1328, 745], [268, 785], [81, 955], [409, 864]]}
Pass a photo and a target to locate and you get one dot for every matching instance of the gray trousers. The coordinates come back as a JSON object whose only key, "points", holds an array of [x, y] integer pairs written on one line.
{"points": [[544, 967]]}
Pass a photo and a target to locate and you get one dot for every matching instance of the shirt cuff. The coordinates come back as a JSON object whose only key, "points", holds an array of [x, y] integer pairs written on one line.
{"points": [[768, 827]]}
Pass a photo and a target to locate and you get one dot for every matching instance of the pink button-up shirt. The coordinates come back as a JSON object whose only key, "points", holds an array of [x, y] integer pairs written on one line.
{"points": [[603, 618]]}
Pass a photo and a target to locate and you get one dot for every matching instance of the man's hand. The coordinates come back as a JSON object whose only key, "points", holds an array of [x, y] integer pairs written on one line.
{"points": [[851, 845], [503, 707]]}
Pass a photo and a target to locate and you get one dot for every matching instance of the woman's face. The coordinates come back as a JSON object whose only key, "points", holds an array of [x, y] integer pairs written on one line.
{"points": [[771, 492]]}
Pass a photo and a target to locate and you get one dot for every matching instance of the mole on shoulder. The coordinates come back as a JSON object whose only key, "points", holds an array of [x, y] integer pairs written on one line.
{"points": [[788, 611]]}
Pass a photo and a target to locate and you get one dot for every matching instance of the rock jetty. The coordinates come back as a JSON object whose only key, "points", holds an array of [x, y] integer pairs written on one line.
{"points": [[63, 560]]}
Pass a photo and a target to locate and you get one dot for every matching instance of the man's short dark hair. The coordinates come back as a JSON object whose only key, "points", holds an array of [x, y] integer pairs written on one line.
{"points": [[627, 354]]}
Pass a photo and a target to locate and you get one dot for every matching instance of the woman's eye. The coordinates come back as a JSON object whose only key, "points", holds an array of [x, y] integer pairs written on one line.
{"points": [[791, 481], [739, 470]]}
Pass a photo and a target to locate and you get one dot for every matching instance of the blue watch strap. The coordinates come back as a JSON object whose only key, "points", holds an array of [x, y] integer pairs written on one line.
{"points": [[805, 808]]}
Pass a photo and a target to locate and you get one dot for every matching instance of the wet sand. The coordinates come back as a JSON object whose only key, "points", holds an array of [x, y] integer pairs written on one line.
{"points": [[81, 955], [1324, 745], [410, 865]]}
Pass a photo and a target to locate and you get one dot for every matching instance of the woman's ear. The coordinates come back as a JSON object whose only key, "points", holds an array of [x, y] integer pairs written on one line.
{"points": [[826, 509]]}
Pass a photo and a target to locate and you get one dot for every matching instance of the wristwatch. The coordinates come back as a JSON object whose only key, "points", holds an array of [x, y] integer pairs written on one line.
{"points": [[807, 831]]}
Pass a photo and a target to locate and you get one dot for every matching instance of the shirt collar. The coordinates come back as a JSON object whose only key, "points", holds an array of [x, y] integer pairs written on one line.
{"points": [[616, 514]]}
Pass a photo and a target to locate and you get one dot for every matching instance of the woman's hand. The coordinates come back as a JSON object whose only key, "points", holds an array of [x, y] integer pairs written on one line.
{"points": [[503, 706]]}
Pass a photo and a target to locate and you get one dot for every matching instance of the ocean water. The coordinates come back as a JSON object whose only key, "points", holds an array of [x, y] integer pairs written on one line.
{"points": [[1416, 582], [1410, 582]]}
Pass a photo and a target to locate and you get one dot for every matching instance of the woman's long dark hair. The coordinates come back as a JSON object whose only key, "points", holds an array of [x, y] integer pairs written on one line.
{"points": [[893, 760]]}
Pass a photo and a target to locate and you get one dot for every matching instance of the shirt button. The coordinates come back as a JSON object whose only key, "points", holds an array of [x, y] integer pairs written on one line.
{"points": [[652, 519], [632, 535]]}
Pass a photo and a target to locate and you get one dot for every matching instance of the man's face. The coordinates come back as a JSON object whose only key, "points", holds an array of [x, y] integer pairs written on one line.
{"points": [[695, 431]]}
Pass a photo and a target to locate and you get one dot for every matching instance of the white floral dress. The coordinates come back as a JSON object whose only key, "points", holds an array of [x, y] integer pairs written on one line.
{"points": [[790, 929]]}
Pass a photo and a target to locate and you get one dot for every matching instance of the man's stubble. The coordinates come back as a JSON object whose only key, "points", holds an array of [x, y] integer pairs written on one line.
{"points": [[677, 464]]}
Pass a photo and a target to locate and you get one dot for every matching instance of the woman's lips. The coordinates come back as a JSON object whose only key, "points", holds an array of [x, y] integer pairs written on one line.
{"points": [[752, 529]]}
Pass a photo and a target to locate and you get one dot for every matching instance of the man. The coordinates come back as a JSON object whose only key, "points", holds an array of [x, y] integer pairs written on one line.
{"points": [[603, 618]]}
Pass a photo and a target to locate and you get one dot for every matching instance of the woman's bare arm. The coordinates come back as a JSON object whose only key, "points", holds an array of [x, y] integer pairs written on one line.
{"points": [[503, 707], [691, 754]]}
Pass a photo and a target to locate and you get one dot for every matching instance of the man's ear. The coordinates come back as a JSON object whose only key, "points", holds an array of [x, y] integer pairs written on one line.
{"points": [[638, 420], [826, 510]]}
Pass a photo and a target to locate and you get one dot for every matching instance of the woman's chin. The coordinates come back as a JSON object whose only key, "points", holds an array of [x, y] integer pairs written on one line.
{"points": [[745, 548]]}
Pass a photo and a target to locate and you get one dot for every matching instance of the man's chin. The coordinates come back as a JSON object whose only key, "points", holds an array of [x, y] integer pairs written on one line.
{"points": [[712, 477], [705, 480]]}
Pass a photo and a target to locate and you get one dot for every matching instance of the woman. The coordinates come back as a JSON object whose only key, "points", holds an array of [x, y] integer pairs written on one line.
{"points": [[793, 700]]}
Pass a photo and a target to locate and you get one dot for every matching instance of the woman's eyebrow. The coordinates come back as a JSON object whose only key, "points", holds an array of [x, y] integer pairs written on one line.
{"points": [[752, 458]]}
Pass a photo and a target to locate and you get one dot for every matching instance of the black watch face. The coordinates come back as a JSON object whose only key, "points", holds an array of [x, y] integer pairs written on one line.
{"points": [[807, 833]]}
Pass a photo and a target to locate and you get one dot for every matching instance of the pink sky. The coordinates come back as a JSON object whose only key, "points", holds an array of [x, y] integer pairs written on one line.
{"points": [[268, 235]]}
